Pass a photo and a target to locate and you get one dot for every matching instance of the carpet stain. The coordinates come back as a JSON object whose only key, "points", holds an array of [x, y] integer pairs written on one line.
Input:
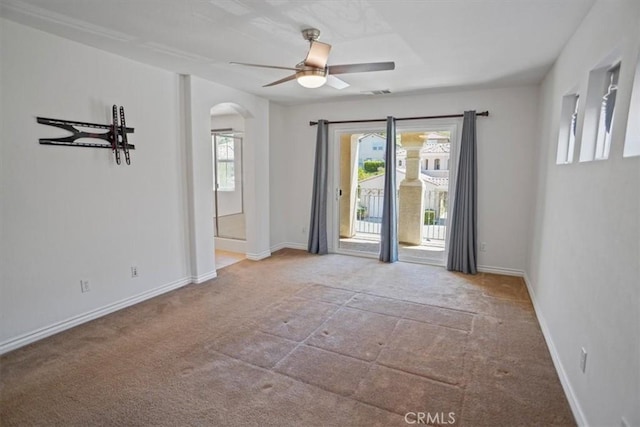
{"points": [[187, 371], [502, 372]]}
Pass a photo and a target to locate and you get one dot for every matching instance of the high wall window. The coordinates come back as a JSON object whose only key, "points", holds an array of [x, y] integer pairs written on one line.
{"points": [[632, 137], [599, 115], [568, 126], [607, 108]]}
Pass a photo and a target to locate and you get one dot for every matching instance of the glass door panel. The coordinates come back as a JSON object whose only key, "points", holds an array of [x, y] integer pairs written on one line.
{"points": [[422, 179]]}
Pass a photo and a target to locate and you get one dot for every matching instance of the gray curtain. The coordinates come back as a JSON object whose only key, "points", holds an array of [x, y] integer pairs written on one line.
{"points": [[318, 226], [389, 228], [462, 248]]}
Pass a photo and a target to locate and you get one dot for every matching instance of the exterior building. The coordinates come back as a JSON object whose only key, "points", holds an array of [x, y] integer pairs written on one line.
{"points": [[434, 155], [371, 147]]}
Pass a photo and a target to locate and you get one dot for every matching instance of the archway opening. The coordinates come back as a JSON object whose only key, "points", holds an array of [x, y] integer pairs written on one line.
{"points": [[228, 182]]}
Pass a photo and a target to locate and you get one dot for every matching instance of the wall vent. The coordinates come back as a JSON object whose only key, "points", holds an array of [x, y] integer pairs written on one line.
{"points": [[377, 92]]}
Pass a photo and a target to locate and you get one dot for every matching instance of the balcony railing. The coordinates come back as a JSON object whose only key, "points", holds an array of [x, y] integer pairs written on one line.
{"points": [[369, 214]]}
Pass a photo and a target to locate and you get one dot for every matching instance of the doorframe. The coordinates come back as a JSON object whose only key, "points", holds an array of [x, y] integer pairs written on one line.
{"points": [[333, 198]]}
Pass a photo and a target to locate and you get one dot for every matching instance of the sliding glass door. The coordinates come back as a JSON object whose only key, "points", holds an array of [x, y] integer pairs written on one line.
{"points": [[423, 167], [361, 191]]}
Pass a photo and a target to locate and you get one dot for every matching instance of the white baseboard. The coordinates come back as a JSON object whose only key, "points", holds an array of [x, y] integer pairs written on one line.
{"points": [[38, 334], [278, 247], [562, 374], [289, 245], [204, 277], [258, 256], [500, 270]]}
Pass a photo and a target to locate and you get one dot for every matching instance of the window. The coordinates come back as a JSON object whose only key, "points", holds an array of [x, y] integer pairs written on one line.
{"points": [[632, 139], [607, 107], [436, 164], [568, 125], [426, 164], [599, 112], [225, 163]]}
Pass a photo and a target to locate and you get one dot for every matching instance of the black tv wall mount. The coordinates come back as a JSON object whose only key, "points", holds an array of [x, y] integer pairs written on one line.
{"points": [[115, 136]]}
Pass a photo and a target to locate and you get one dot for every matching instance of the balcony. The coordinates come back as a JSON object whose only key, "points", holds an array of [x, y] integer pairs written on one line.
{"points": [[366, 236]]}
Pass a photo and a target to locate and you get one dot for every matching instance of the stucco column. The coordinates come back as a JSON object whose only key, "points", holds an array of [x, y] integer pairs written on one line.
{"points": [[410, 195], [348, 184]]}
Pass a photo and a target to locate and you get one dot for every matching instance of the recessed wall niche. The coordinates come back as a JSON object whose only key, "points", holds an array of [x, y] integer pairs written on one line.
{"points": [[632, 139], [599, 115], [567, 131]]}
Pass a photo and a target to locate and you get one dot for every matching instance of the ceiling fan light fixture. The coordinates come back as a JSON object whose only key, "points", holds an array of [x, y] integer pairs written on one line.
{"points": [[311, 78]]}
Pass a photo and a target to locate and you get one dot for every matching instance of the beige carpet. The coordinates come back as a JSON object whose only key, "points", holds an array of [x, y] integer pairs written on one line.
{"points": [[299, 340]]}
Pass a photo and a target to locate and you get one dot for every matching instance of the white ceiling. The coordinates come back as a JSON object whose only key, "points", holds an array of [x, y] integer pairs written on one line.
{"points": [[435, 43]]}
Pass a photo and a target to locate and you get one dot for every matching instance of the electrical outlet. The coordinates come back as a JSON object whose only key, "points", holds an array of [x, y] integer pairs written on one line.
{"points": [[134, 271], [84, 286], [483, 246], [583, 359]]}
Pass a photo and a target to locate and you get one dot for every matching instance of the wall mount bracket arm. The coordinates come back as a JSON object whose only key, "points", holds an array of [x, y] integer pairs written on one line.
{"points": [[114, 138]]}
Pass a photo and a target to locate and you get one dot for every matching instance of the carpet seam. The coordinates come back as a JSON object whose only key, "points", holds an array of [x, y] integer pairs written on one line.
{"points": [[314, 331], [397, 299], [271, 370], [472, 314]]}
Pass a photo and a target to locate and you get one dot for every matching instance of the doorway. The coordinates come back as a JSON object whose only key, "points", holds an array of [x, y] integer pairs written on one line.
{"points": [[229, 217], [228, 184], [423, 171]]}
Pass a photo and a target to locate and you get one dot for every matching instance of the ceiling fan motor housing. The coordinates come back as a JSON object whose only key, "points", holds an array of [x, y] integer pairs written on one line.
{"points": [[311, 34]]}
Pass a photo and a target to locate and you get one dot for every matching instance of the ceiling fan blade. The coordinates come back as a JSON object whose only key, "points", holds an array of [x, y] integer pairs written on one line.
{"points": [[336, 83], [264, 66], [318, 55], [361, 68], [277, 82]]}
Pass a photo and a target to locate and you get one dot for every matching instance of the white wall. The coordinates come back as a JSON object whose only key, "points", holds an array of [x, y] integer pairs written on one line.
{"points": [[72, 213], [505, 150], [584, 263]]}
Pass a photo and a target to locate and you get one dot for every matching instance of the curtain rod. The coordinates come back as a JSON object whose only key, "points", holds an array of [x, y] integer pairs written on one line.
{"points": [[446, 116]]}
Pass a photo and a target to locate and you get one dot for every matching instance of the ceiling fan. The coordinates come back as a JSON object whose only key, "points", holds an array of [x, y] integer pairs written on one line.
{"points": [[314, 72]]}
